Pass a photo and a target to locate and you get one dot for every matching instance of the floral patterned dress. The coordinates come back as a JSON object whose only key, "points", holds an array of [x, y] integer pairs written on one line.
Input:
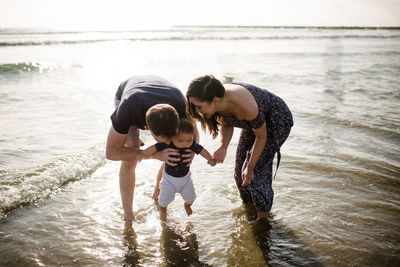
{"points": [[275, 113]]}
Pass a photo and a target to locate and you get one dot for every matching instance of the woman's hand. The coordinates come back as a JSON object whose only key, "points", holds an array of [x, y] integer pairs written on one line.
{"points": [[166, 156], [188, 157], [247, 176], [220, 154]]}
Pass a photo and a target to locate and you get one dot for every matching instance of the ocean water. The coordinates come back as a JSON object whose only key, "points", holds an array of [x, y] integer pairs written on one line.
{"points": [[337, 191]]}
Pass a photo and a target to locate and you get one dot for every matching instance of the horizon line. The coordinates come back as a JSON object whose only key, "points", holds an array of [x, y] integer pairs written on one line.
{"points": [[292, 27]]}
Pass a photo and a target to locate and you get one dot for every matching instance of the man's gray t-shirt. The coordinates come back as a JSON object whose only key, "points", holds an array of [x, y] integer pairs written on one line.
{"points": [[138, 94]]}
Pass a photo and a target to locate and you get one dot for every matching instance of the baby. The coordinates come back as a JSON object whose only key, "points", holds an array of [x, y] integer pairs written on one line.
{"points": [[177, 179]]}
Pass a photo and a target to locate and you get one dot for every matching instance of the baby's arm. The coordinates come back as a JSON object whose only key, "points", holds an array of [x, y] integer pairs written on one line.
{"points": [[205, 154]]}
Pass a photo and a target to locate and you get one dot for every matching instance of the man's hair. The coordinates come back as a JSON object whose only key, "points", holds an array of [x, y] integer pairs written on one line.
{"points": [[186, 126], [162, 120]]}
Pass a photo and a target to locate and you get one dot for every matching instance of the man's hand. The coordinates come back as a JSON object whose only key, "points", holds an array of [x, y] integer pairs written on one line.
{"points": [[166, 156], [188, 157]]}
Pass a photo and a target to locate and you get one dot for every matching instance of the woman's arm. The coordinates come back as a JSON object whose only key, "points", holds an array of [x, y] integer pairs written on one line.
{"points": [[226, 133], [258, 148]]}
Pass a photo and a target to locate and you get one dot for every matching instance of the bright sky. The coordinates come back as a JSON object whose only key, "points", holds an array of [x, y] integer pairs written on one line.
{"points": [[132, 14]]}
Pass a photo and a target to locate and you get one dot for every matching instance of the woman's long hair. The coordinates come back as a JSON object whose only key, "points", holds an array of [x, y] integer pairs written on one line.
{"points": [[205, 88]]}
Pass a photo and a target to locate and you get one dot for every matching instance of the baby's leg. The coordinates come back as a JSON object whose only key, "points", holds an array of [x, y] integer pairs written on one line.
{"points": [[163, 214], [188, 209], [189, 195], [167, 195]]}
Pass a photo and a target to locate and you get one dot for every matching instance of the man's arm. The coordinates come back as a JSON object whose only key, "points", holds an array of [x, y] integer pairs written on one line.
{"points": [[148, 152], [115, 149]]}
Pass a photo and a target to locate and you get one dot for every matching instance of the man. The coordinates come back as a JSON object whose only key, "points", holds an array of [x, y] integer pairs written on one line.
{"points": [[133, 99]]}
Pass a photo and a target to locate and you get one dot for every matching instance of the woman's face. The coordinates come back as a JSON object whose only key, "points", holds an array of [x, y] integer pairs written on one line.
{"points": [[203, 107]]}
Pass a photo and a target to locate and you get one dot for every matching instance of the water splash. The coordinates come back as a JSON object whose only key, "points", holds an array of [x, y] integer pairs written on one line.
{"points": [[23, 67], [30, 186]]}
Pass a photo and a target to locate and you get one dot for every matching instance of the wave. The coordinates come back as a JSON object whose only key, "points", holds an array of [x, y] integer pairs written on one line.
{"points": [[378, 128], [23, 188], [50, 42], [31, 67], [54, 42], [22, 67], [183, 35]]}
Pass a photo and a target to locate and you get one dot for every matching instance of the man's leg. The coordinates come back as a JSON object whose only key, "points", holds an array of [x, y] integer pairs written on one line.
{"points": [[127, 182]]}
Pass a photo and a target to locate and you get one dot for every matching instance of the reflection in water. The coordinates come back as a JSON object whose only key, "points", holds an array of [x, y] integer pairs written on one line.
{"points": [[266, 241], [180, 248], [130, 241]]}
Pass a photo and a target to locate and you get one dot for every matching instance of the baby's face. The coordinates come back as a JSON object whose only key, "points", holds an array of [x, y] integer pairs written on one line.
{"points": [[183, 140]]}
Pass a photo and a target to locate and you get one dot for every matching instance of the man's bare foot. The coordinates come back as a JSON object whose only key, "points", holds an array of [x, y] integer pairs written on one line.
{"points": [[129, 218], [129, 221], [188, 209]]}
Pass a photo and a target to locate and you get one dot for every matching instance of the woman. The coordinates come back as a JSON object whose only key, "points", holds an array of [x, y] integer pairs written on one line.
{"points": [[266, 122]]}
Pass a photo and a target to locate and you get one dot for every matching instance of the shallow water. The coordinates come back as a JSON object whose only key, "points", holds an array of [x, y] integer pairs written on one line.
{"points": [[337, 191]]}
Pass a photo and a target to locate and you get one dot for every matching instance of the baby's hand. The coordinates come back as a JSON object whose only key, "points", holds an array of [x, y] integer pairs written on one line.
{"points": [[212, 162]]}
